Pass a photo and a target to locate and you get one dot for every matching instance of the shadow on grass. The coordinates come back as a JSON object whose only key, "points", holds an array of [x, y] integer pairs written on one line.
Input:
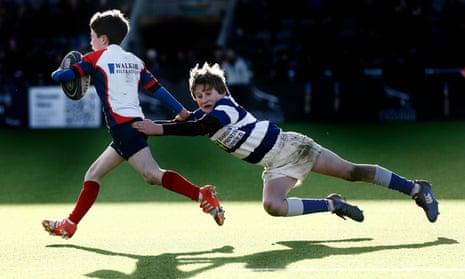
{"points": [[176, 265]]}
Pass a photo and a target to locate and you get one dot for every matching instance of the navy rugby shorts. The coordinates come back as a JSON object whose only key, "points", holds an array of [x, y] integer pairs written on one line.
{"points": [[126, 140]]}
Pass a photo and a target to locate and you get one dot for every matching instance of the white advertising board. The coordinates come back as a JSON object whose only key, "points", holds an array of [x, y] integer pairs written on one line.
{"points": [[50, 108]]}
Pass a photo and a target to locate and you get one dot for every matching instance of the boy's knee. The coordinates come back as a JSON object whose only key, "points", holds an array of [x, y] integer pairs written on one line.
{"points": [[152, 178], [360, 173], [271, 208]]}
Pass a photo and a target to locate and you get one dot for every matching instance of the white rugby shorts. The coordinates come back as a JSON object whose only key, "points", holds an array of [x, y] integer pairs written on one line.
{"points": [[293, 155]]}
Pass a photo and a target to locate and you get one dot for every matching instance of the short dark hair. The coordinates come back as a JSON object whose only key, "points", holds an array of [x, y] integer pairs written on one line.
{"points": [[112, 23]]}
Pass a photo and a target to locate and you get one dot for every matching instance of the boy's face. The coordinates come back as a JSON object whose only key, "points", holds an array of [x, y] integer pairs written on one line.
{"points": [[96, 42], [206, 97]]}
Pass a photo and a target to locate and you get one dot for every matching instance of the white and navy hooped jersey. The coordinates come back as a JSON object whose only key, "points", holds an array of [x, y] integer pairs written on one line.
{"points": [[117, 75], [241, 134]]}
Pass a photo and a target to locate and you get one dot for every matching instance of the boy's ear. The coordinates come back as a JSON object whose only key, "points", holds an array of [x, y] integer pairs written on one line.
{"points": [[104, 39]]}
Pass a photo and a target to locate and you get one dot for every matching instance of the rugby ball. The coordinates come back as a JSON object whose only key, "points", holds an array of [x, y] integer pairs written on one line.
{"points": [[74, 89]]}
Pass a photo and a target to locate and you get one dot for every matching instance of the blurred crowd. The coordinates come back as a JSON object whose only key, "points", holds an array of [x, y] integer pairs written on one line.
{"points": [[329, 34], [346, 36], [279, 44]]}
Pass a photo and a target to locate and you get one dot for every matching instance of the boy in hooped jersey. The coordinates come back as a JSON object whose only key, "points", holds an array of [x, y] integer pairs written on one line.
{"points": [[287, 157], [117, 75]]}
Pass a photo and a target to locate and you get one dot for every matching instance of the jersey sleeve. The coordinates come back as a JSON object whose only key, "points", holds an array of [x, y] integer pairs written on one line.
{"points": [[166, 98], [206, 125]]}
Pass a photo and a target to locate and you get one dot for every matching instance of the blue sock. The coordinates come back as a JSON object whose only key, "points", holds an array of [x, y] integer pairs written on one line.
{"points": [[313, 206], [298, 206], [401, 184], [387, 178]]}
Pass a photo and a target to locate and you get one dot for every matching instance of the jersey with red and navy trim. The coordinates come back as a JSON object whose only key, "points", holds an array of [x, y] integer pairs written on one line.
{"points": [[117, 76], [241, 134]]}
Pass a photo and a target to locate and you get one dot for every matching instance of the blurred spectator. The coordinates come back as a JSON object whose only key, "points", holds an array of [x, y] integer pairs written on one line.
{"points": [[238, 76]]}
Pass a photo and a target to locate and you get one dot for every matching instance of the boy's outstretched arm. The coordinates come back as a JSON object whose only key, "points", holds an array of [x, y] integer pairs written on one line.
{"points": [[199, 127]]}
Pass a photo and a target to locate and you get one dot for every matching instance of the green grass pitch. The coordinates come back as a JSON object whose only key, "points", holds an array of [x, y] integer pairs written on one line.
{"points": [[140, 231]]}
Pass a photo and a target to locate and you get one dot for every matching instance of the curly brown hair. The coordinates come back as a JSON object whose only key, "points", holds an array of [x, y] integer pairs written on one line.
{"points": [[208, 75]]}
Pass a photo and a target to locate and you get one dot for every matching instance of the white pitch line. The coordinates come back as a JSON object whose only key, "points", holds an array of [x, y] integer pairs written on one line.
{"points": [[353, 269]]}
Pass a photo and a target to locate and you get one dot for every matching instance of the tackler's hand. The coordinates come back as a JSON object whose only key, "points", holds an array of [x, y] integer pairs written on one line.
{"points": [[148, 127], [183, 115]]}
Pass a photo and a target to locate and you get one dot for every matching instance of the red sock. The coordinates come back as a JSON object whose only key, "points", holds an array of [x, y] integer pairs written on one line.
{"points": [[86, 199], [175, 182]]}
